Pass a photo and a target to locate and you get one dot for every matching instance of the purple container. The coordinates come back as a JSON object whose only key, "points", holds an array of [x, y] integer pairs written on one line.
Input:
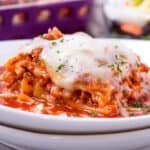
{"points": [[25, 21]]}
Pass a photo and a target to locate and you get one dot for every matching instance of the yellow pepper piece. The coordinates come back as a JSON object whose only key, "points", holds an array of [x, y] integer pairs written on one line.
{"points": [[38, 91], [26, 87]]}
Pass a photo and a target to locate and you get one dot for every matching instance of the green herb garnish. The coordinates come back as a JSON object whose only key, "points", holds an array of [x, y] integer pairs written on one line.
{"points": [[146, 37], [54, 43], [112, 66], [137, 64], [58, 51], [140, 105], [118, 64], [146, 109], [62, 40], [123, 62], [60, 67], [136, 104], [93, 114]]}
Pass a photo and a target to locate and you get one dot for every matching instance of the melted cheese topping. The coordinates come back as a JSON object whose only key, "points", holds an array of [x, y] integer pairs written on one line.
{"points": [[75, 55]]}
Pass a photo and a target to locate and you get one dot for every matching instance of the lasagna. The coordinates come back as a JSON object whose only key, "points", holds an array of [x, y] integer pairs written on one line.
{"points": [[75, 75]]}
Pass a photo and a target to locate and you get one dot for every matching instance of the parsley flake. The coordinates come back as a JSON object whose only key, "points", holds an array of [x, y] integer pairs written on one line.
{"points": [[143, 107], [136, 104], [54, 43], [123, 62], [93, 114], [137, 64], [62, 40], [112, 66], [146, 109], [58, 51], [60, 67]]}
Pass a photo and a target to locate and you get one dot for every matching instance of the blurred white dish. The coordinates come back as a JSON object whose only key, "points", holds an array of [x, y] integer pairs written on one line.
{"points": [[134, 140], [118, 11], [49, 123]]}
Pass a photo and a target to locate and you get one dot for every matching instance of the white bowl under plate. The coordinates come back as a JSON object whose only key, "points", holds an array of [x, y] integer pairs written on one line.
{"points": [[133, 140], [49, 123]]}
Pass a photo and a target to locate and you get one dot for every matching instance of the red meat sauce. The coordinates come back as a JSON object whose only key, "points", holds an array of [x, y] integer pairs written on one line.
{"points": [[56, 109]]}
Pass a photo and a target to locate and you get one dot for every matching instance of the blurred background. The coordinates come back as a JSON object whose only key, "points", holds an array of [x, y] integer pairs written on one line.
{"points": [[21, 19]]}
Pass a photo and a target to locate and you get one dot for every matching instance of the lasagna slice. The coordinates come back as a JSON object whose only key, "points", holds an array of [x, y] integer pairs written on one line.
{"points": [[76, 75]]}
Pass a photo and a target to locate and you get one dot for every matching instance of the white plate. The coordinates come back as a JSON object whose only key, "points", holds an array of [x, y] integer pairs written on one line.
{"points": [[134, 140], [49, 123]]}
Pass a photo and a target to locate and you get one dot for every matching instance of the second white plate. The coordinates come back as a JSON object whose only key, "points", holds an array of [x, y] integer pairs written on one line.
{"points": [[134, 140]]}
